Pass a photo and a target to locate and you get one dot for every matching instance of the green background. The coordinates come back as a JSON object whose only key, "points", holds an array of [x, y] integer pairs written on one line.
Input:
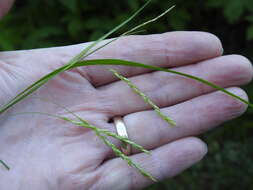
{"points": [[46, 23]]}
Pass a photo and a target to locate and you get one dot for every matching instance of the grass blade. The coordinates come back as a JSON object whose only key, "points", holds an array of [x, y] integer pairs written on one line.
{"points": [[46, 78], [151, 67]]}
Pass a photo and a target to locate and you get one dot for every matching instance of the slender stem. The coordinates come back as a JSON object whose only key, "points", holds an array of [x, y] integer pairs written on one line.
{"points": [[144, 97], [4, 164]]}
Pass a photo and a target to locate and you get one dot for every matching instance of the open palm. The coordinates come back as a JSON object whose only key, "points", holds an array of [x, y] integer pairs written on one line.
{"points": [[47, 153]]}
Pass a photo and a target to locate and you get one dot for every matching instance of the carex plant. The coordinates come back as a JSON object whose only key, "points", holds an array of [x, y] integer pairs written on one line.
{"points": [[80, 61]]}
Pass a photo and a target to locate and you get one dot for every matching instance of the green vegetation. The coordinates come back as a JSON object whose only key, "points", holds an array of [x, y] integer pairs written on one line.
{"points": [[229, 164]]}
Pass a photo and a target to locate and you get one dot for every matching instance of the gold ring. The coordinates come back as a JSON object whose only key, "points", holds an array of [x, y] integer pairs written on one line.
{"points": [[121, 131]]}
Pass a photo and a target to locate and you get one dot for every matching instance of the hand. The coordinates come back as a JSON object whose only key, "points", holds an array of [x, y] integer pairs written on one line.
{"points": [[46, 153]]}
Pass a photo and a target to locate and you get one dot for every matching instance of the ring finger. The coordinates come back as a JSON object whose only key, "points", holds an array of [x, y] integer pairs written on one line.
{"points": [[192, 117]]}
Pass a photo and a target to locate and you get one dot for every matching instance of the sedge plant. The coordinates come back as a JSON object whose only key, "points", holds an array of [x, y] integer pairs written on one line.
{"points": [[80, 61]]}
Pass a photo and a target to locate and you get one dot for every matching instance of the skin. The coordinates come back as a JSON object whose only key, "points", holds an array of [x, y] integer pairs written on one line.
{"points": [[46, 153], [5, 6]]}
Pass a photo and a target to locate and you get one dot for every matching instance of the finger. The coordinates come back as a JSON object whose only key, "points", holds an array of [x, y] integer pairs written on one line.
{"points": [[164, 50], [166, 161], [193, 117], [5, 6], [167, 89]]}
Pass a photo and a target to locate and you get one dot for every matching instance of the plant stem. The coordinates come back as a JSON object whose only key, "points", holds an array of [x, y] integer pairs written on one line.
{"points": [[126, 158], [4, 164], [144, 97]]}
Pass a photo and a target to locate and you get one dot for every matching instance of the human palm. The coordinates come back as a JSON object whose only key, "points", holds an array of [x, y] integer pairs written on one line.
{"points": [[48, 153]]}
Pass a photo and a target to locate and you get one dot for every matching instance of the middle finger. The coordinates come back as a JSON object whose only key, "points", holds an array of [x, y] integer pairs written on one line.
{"points": [[167, 89]]}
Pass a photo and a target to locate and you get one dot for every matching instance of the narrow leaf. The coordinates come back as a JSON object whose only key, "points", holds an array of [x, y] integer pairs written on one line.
{"points": [[44, 79]]}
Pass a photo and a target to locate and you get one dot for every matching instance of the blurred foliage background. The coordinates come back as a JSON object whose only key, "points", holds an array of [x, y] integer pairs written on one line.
{"points": [[46, 23]]}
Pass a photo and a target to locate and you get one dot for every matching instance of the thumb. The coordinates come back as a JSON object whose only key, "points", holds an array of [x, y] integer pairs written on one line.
{"points": [[5, 6]]}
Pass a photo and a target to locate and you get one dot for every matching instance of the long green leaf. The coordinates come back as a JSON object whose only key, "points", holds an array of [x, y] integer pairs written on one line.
{"points": [[151, 67], [44, 79]]}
